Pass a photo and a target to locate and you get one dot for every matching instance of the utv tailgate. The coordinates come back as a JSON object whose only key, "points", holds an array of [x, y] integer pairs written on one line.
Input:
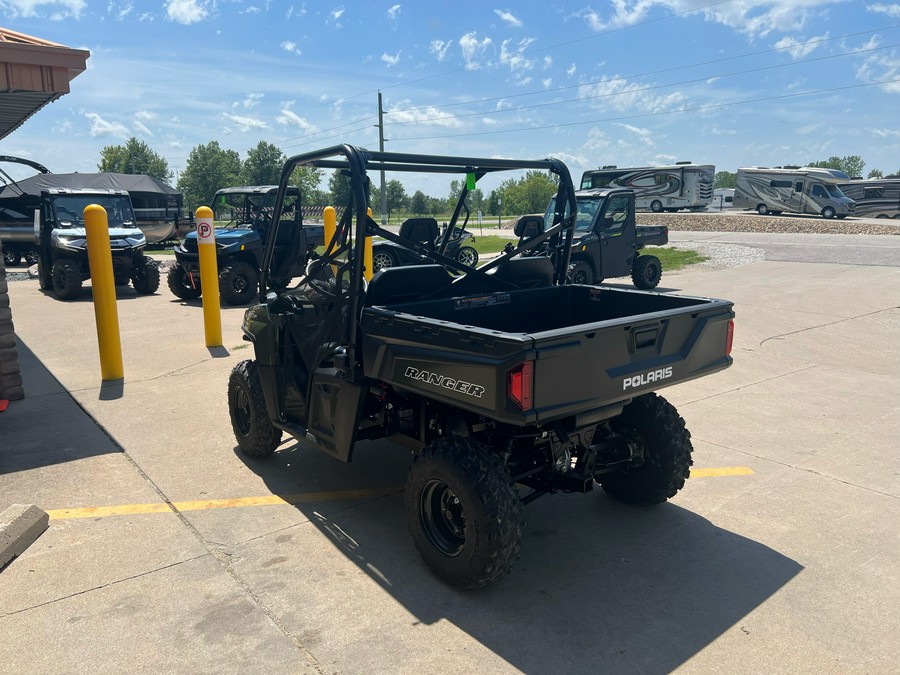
{"points": [[583, 347]]}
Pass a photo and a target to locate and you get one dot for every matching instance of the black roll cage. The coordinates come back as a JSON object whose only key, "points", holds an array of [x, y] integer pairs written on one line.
{"points": [[555, 240]]}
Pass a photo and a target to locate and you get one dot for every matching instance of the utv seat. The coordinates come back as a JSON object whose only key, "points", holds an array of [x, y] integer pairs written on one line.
{"points": [[526, 272], [420, 230], [398, 285], [529, 226]]}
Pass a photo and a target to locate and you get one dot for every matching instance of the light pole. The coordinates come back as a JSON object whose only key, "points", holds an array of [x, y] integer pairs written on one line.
{"points": [[499, 210]]}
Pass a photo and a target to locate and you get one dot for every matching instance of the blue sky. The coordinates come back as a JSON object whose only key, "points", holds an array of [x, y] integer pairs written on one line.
{"points": [[626, 82]]}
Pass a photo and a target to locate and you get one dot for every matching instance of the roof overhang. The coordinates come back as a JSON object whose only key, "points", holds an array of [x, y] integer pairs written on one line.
{"points": [[33, 72]]}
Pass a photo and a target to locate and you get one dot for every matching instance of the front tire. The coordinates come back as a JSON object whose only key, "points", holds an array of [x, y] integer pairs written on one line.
{"points": [[581, 273], [179, 282], [652, 424], [145, 278], [237, 283], [646, 272], [828, 212], [464, 513], [31, 257], [656, 206], [250, 422], [66, 279], [11, 258], [468, 256]]}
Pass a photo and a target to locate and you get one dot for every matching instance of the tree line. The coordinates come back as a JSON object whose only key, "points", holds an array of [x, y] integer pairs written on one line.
{"points": [[210, 168], [852, 165]]}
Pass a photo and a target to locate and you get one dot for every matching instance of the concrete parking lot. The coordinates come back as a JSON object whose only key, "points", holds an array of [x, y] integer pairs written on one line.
{"points": [[170, 551]]}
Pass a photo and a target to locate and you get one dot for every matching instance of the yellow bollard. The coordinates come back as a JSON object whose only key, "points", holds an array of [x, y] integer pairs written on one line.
{"points": [[330, 225], [103, 286], [367, 254], [209, 276]]}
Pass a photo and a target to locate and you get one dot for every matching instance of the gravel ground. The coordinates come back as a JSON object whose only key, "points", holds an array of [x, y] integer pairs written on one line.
{"points": [[753, 222]]}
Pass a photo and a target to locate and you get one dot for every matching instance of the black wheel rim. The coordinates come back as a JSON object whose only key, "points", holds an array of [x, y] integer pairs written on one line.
{"points": [[580, 277], [241, 406], [650, 273], [442, 517], [240, 283]]}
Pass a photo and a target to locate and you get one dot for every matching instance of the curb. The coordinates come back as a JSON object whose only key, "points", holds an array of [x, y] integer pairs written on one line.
{"points": [[20, 526]]}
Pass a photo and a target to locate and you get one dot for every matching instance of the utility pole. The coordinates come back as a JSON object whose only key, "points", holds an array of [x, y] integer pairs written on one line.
{"points": [[381, 148]]}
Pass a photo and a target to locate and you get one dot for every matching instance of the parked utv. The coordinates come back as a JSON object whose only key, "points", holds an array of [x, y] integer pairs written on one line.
{"points": [[507, 381], [240, 243], [607, 240], [62, 242], [425, 233]]}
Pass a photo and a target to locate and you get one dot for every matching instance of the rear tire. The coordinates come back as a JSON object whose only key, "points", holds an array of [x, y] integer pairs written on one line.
{"points": [[654, 425], [467, 255], [646, 272], [382, 259], [656, 206], [179, 282], [250, 422], [146, 277], [464, 513], [31, 257], [762, 209], [66, 279], [237, 283]]}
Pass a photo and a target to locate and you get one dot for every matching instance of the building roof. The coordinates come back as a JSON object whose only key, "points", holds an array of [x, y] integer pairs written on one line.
{"points": [[33, 72]]}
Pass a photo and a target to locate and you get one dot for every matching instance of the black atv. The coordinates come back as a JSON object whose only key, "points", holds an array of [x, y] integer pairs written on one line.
{"points": [[247, 212]]}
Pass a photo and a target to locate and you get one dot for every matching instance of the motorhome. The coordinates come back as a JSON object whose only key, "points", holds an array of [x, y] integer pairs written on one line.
{"points": [[874, 197], [682, 185], [794, 189]]}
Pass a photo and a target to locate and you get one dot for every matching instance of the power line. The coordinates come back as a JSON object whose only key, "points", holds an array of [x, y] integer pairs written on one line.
{"points": [[650, 114], [648, 88], [657, 72]]}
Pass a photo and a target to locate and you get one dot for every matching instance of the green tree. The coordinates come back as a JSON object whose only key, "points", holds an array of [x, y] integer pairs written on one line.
{"points": [[852, 165], [135, 157], [308, 179], [530, 194], [875, 173], [209, 168], [396, 197], [338, 189], [725, 179], [419, 203], [263, 165]]}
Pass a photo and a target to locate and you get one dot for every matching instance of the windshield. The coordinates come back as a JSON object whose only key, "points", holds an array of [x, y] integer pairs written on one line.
{"points": [[241, 209], [70, 209], [587, 210], [834, 191]]}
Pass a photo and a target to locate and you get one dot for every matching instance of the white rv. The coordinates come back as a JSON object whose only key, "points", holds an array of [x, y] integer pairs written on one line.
{"points": [[723, 198], [875, 197], [682, 185], [794, 189]]}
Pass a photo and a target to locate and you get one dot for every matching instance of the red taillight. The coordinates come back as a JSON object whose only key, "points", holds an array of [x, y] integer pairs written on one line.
{"points": [[519, 384], [729, 338]]}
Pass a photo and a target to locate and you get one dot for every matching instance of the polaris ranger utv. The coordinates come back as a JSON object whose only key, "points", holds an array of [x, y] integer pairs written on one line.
{"points": [[607, 241], [507, 381], [62, 242], [240, 243]]}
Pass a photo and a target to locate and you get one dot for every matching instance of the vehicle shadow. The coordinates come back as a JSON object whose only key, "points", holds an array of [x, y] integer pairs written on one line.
{"points": [[599, 586]]}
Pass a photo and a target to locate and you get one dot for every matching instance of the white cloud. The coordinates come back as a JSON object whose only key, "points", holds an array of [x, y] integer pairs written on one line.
{"points": [[881, 68], [509, 18], [244, 123], [892, 11], [101, 128], [61, 9], [439, 48], [472, 49], [886, 133], [291, 47], [799, 48], [119, 13], [186, 11], [142, 128], [289, 118], [617, 93], [146, 115], [548, 62], [547, 82], [250, 101], [570, 71], [518, 63], [337, 13], [391, 59], [252, 9], [405, 112], [393, 12]]}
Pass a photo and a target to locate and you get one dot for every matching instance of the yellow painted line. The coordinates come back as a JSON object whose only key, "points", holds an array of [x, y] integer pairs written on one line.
{"points": [[205, 504], [300, 498], [722, 471]]}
